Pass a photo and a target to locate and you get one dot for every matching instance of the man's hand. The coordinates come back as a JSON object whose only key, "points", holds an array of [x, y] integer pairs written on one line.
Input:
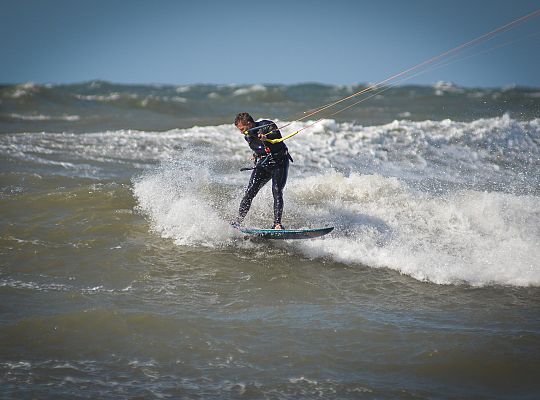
{"points": [[262, 136]]}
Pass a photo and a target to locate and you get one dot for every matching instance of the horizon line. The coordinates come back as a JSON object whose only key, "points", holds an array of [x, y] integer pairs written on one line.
{"points": [[266, 84]]}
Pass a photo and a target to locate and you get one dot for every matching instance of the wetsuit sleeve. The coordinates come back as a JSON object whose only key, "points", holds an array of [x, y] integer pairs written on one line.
{"points": [[270, 126], [271, 130], [257, 145]]}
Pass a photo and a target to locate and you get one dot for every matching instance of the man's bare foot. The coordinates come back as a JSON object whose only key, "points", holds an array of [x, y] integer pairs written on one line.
{"points": [[278, 226]]}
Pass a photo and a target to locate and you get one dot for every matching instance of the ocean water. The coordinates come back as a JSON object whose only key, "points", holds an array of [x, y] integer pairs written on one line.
{"points": [[120, 276]]}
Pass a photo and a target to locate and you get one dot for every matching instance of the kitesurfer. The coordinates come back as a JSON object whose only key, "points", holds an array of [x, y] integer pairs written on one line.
{"points": [[271, 161]]}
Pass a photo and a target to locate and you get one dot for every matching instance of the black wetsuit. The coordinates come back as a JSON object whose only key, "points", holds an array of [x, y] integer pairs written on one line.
{"points": [[269, 164]]}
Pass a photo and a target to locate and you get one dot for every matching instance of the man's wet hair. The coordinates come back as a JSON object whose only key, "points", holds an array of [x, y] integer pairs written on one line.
{"points": [[243, 117]]}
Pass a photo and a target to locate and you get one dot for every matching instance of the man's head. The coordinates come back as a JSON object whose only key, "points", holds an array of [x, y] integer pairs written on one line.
{"points": [[244, 121]]}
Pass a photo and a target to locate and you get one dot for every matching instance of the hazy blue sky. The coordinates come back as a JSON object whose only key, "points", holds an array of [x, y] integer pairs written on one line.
{"points": [[272, 41]]}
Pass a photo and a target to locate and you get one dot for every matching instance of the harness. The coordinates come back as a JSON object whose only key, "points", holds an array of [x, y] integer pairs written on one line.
{"points": [[269, 158]]}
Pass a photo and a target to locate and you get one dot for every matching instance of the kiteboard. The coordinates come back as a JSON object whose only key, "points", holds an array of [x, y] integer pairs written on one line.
{"points": [[285, 233]]}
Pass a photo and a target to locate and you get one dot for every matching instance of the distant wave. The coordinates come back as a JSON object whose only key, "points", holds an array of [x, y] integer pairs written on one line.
{"points": [[118, 96], [105, 105], [247, 90], [45, 117]]}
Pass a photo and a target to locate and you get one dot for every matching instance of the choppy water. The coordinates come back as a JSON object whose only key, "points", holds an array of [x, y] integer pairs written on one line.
{"points": [[120, 277]]}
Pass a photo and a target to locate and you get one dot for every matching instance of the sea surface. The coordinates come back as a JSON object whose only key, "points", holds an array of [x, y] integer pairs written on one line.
{"points": [[120, 276]]}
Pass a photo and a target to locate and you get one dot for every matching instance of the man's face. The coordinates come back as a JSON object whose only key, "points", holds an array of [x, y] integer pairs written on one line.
{"points": [[244, 127]]}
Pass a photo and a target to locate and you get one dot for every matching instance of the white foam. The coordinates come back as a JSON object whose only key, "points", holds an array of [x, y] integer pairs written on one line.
{"points": [[463, 237], [175, 99], [446, 87], [17, 284], [449, 150], [249, 90], [183, 89], [144, 101], [25, 89], [110, 97], [40, 117]]}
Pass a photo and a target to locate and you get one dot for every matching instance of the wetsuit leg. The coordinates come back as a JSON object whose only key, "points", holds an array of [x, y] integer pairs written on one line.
{"points": [[258, 179], [279, 179]]}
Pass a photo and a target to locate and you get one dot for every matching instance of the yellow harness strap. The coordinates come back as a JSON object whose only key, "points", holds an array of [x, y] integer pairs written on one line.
{"points": [[278, 140]]}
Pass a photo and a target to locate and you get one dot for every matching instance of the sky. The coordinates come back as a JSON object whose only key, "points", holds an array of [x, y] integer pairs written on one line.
{"points": [[277, 41]]}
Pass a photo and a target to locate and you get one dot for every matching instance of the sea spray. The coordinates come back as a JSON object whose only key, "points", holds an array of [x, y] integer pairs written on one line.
{"points": [[184, 200]]}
